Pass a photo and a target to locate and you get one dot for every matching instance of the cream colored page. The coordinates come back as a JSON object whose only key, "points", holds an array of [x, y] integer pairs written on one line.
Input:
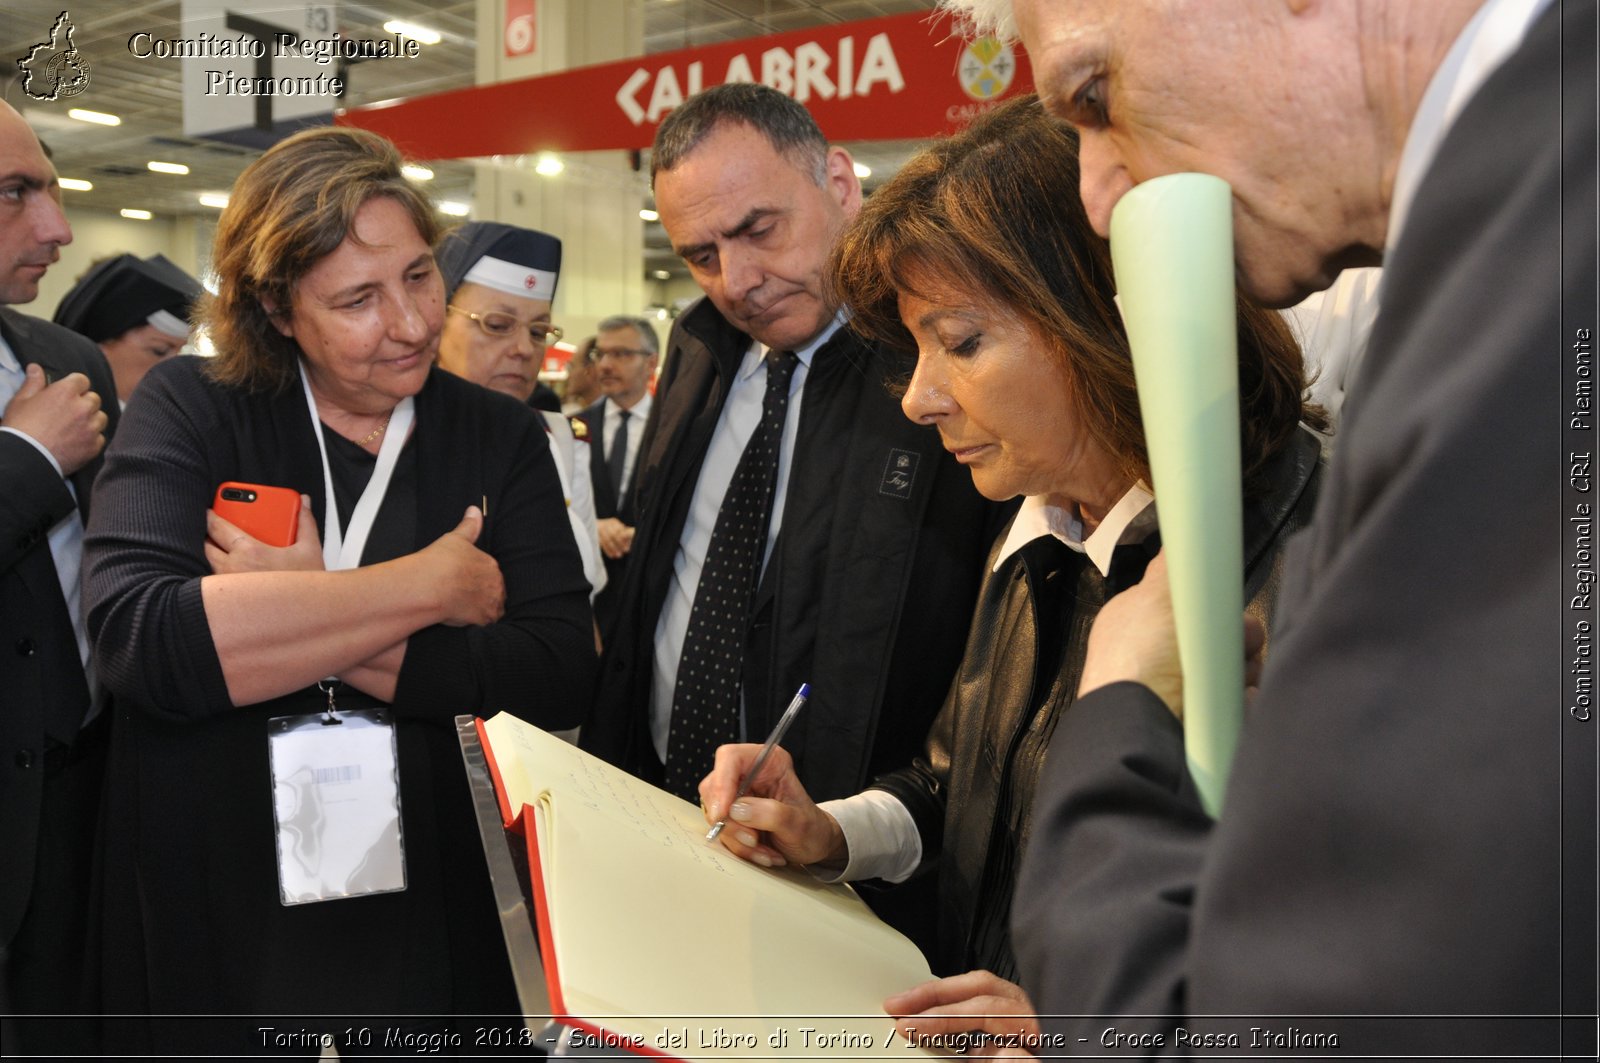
{"points": [[514, 751], [662, 935]]}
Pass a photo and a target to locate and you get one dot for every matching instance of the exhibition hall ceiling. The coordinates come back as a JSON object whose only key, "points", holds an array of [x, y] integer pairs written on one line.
{"points": [[146, 94]]}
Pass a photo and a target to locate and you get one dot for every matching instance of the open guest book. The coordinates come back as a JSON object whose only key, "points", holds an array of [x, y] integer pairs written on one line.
{"points": [[653, 940]]}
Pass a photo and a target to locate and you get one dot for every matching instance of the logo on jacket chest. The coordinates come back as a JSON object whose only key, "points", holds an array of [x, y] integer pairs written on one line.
{"points": [[899, 474]]}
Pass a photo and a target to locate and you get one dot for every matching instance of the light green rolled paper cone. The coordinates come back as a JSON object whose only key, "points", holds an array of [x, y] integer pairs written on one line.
{"points": [[1172, 250]]}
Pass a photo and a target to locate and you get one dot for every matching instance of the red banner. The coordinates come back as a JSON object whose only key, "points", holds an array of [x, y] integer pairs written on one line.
{"points": [[892, 78]]}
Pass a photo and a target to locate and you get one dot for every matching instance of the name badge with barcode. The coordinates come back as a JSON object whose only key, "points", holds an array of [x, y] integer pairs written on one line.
{"points": [[336, 805]]}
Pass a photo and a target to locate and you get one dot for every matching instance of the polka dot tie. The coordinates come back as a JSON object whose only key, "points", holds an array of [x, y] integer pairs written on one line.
{"points": [[705, 703]]}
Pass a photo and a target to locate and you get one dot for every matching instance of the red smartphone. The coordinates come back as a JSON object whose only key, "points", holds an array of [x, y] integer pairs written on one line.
{"points": [[271, 514]]}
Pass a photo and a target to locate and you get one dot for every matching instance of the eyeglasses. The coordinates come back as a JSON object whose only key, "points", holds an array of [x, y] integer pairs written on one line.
{"points": [[500, 325], [618, 353]]}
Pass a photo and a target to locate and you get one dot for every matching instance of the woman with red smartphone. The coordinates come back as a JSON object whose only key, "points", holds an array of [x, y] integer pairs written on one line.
{"points": [[290, 830]]}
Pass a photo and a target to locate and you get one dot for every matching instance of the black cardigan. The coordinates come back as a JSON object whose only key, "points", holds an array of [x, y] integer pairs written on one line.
{"points": [[192, 921]]}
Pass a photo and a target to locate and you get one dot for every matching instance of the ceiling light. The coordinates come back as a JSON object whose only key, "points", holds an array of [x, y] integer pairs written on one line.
{"points": [[97, 117], [661, 274], [863, 172], [649, 215], [73, 184], [549, 165], [412, 30], [214, 199], [136, 215], [454, 209], [414, 172], [168, 167]]}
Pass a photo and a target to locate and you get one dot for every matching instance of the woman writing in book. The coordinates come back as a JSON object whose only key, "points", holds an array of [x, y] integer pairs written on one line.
{"points": [[255, 863], [979, 258]]}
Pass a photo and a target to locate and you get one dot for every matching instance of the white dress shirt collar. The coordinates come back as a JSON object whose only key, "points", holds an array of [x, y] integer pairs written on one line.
{"points": [[758, 350], [636, 413], [1487, 41], [1129, 521]]}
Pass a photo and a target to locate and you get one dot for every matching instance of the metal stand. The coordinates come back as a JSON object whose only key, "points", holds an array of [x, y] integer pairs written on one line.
{"points": [[510, 889]]}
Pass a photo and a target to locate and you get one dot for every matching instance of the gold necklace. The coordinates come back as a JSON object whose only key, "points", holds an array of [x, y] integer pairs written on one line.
{"points": [[375, 433]]}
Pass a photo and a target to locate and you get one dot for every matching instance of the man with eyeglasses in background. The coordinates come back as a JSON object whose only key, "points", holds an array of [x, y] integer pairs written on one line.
{"points": [[624, 356]]}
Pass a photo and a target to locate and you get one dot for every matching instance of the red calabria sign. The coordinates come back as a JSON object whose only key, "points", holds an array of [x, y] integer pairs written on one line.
{"points": [[904, 76]]}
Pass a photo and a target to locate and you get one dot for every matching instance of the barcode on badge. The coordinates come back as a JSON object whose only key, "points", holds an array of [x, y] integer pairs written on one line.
{"points": [[343, 773]]}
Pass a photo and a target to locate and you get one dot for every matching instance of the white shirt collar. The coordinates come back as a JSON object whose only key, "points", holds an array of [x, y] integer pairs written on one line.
{"points": [[1131, 520], [1487, 41], [759, 350], [8, 357], [638, 411]]}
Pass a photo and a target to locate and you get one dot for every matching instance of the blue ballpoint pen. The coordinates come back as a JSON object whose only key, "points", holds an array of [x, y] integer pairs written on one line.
{"points": [[766, 751]]}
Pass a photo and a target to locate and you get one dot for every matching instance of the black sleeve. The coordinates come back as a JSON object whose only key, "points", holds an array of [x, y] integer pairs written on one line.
{"points": [[538, 661], [33, 498], [33, 495], [1101, 916], [923, 785], [144, 557]]}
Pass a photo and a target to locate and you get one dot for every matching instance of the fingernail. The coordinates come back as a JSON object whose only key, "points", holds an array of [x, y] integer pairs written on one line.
{"points": [[745, 837], [740, 811], [761, 858], [778, 861]]}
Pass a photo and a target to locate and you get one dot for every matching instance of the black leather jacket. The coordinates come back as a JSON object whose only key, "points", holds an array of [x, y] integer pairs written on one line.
{"points": [[971, 791]]}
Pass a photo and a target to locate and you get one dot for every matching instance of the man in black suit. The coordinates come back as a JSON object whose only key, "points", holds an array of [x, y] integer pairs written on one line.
{"points": [[1392, 839], [794, 525], [57, 405], [624, 357]]}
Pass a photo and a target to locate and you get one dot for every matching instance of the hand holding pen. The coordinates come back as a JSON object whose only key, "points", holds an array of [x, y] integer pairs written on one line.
{"points": [[778, 731], [764, 813]]}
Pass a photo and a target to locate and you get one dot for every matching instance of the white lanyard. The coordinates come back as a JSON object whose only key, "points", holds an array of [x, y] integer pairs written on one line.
{"points": [[339, 551]]}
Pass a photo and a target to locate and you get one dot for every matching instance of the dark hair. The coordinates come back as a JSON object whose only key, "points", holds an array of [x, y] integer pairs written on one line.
{"points": [[647, 332], [288, 210], [787, 125], [995, 210]]}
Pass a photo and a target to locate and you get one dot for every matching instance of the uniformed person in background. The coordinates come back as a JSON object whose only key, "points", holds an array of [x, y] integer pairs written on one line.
{"points": [[136, 309]]}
